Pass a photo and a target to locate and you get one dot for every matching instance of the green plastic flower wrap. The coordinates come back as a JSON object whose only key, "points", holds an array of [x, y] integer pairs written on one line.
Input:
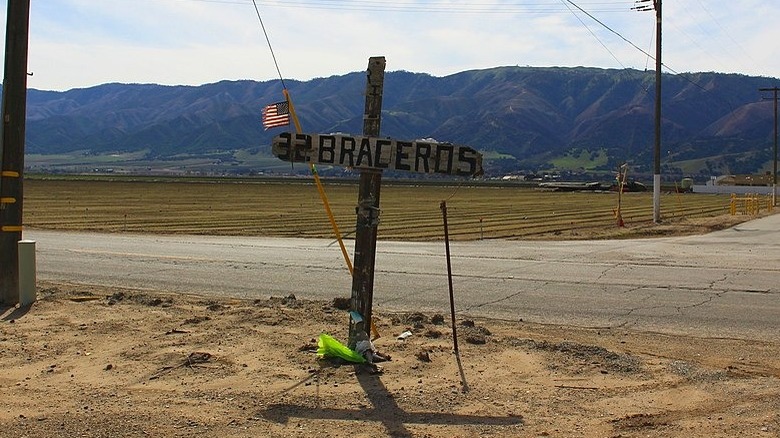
{"points": [[330, 347]]}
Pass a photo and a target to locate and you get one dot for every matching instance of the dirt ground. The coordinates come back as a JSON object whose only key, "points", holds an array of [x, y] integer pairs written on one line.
{"points": [[683, 226], [95, 362]]}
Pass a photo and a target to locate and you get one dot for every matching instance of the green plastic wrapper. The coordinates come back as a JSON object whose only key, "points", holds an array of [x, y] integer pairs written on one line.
{"points": [[329, 347]]}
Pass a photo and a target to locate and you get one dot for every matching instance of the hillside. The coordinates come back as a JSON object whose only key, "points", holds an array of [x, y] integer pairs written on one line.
{"points": [[521, 117]]}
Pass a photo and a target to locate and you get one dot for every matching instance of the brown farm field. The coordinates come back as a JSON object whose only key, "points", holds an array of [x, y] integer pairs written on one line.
{"points": [[292, 208]]}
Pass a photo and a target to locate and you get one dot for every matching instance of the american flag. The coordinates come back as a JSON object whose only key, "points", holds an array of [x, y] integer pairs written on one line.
{"points": [[276, 114]]}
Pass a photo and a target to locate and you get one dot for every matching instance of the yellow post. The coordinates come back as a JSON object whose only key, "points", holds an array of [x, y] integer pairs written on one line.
{"points": [[332, 219], [621, 181], [320, 189], [679, 199], [733, 204]]}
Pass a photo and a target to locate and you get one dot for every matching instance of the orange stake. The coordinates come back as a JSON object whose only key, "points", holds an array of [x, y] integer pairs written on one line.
{"points": [[320, 188]]}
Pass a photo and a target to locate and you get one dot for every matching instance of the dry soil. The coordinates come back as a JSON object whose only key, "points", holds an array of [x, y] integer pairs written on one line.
{"points": [[96, 362]]}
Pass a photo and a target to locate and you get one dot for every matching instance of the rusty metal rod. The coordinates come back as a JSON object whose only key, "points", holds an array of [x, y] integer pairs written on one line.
{"points": [[443, 207]]}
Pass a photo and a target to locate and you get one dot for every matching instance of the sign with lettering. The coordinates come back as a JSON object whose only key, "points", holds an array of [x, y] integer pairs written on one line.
{"points": [[378, 153]]}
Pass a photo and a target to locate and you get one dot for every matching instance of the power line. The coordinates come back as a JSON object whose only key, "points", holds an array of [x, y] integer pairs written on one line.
{"points": [[652, 40], [593, 34], [470, 7], [534, 7], [727, 33], [634, 45], [524, 7], [696, 19], [609, 28]]}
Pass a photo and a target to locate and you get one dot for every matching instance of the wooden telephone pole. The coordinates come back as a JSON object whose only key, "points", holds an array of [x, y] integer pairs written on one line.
{"points": [[642, 6], [14, 110], [774, 167], [368, 208]]}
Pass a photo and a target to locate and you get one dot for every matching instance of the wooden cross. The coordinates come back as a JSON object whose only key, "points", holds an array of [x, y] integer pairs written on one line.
{"points": [[371, 155]]}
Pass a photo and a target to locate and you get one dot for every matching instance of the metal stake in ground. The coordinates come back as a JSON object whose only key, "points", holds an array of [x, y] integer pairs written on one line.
{"points": [[443, 207], [367, 209]]}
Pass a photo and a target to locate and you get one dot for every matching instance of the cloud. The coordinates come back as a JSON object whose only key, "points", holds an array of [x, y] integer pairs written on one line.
{"points": [[79, 43]]}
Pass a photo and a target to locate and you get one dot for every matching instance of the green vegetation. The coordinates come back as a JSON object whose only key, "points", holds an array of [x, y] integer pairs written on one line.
{"points": [[495, 155], [237, 162], [292, 207], [83, 158], [581, 159]]}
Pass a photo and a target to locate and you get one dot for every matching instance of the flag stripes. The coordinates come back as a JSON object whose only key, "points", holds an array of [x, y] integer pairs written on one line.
{"points": [[276, 114]]}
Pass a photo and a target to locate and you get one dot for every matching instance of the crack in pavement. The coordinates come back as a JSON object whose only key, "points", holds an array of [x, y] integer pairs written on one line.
{"points": [[709, 300], [679, 310], [499, 300], [720, 280], [607, 270]]}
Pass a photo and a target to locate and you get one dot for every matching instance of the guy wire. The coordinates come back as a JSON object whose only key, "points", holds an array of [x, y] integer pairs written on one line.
{"points": [[268, 40], [457, 188]]}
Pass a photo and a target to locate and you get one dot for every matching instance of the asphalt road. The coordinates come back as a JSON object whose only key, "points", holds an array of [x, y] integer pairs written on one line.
{"points": [[725, 284]]}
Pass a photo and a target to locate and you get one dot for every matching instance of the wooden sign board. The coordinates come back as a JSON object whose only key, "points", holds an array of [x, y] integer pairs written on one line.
{"points": [[378, 153]]}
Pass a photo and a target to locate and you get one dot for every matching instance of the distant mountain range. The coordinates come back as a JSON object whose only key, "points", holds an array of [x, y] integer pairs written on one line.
{"points": [[584, 119]]}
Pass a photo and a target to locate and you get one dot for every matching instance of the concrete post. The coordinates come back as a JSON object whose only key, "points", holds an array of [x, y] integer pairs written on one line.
{"points": [[27, 280]]}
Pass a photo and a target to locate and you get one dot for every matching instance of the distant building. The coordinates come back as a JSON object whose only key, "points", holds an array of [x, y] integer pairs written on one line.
{"points": [[745, 180]]}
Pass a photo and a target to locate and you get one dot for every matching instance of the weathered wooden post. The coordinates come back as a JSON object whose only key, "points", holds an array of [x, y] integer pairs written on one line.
{"points": [[367, 209]]}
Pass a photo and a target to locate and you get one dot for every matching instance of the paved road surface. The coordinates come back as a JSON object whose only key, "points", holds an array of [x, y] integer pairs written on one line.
{"points": [[724, 284]]}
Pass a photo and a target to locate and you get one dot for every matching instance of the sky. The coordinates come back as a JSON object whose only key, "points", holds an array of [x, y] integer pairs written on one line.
{"points": [[83, 43]]}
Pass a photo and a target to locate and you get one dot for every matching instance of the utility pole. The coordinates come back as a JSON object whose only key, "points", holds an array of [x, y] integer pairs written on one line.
{"points": [[14, 111], [643, 5], [367, 209], [774, 168]]}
